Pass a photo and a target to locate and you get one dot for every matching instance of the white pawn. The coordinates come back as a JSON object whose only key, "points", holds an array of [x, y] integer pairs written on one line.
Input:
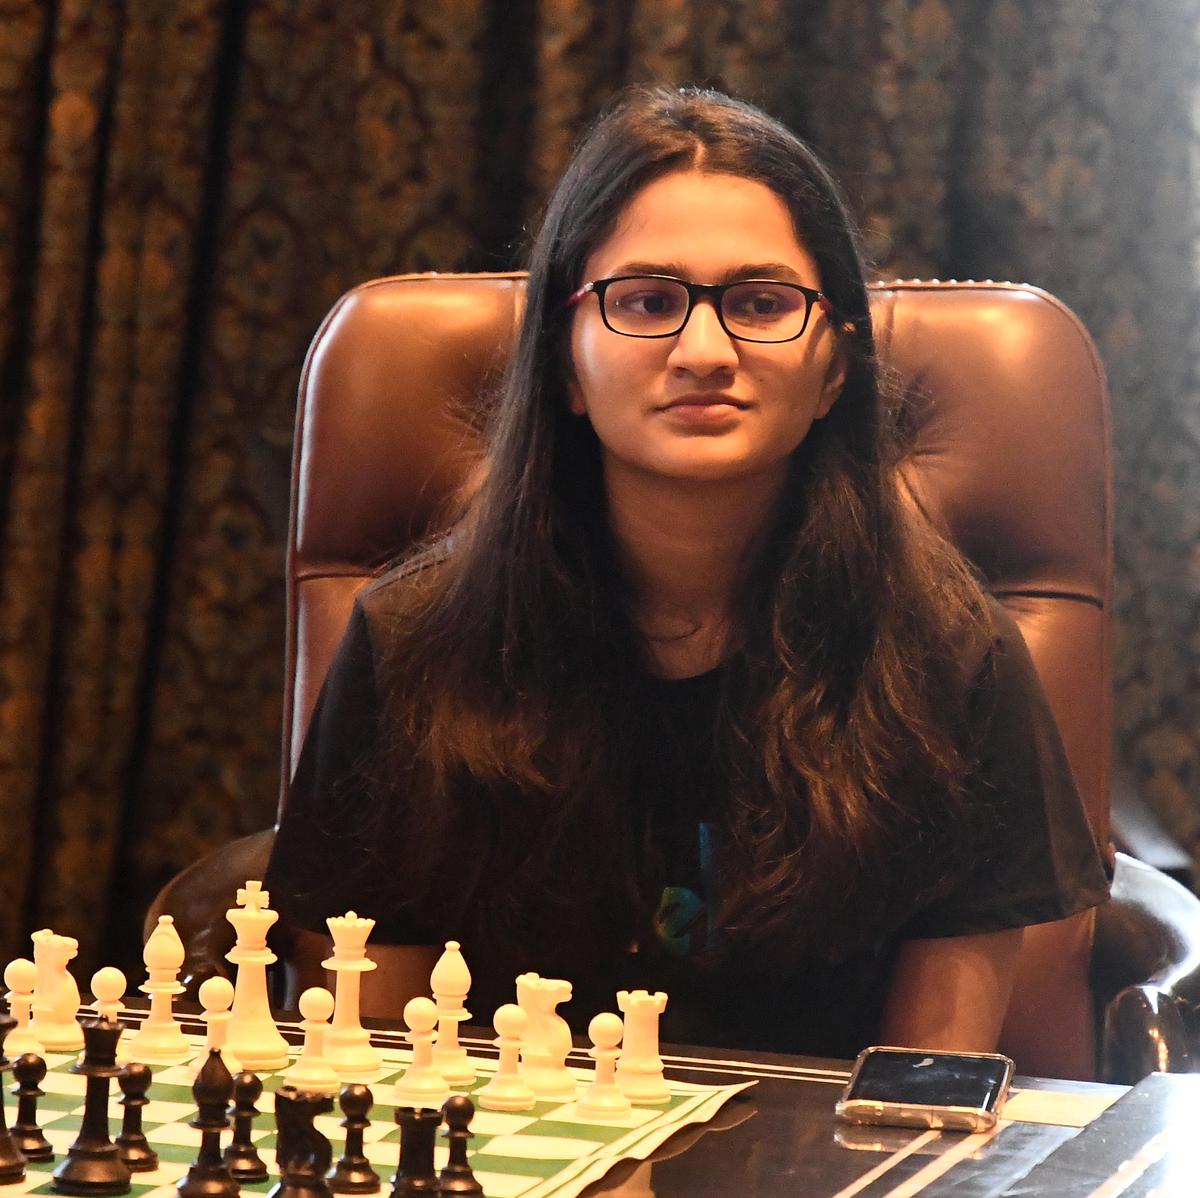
{"points": [[640, 1071], [508, 1090], [160, 1040], [603, 1098], [422, 1083], [55, 996], [312, 1071], [108, 989], [451, 982], [216, 997], [20, 976]]}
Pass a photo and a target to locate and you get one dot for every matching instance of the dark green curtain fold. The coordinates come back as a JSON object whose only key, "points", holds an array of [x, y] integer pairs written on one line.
{"points": [[186, 187]]}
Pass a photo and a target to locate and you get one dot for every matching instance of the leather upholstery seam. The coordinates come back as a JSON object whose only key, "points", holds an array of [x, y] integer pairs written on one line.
{"points": [[1039, 593]]}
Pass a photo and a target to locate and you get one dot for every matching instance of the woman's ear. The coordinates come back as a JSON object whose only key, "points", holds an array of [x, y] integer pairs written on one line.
{"points": [[831, 387], [576, 404]]}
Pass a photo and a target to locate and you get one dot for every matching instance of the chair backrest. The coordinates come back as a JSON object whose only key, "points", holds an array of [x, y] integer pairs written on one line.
{"points": [[1011, 455]]}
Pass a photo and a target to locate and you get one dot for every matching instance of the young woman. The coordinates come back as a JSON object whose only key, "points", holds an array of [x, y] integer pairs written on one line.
{"points": [[691, 697]]}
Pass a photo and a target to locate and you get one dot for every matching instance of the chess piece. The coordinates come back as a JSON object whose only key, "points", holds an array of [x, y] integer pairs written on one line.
{"points": [[353, 1173], [312, 1073], [134, 1080], [416, 1176], [303, 1154], [547, 1039], [451, 982], [108, 989], [456, 1176], [55, 996], [640, 1069], [29, 1069], [422, 1083], [20, 976], [603, 1099], [216, 997], [253, 1037], [507, 1089], [347, 1043], [93, 1163], [241, 1155], [12, 1159], [160, 1039], [208, 1176]]}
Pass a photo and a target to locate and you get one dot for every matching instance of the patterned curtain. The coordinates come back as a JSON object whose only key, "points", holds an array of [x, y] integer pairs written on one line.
{"points": [[186, 187]]}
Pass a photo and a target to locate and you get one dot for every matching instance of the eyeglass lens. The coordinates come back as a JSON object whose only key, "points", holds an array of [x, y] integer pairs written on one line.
{"points": [[756, 311]]}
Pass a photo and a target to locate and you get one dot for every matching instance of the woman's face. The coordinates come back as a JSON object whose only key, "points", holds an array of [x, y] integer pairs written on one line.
{"points": [[700, 405]]}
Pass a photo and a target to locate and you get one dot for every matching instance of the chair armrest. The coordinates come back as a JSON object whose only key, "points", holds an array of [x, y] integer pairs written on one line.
{"points": [[1137, 830], [197, 900], [1146, 974]]}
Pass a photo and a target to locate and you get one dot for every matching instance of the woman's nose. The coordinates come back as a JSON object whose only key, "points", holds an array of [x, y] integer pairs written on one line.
{"points": [[703, 346]]}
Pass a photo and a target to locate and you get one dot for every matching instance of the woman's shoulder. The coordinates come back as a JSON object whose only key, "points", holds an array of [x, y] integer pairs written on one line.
{"points": [[1006, 641], [993, 634], [404, 580]]}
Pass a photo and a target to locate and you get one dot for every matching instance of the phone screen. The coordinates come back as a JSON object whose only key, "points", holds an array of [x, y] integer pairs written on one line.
{"points": [[931, 1079]]}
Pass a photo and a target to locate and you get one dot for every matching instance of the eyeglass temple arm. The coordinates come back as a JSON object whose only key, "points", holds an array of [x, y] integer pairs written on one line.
{"points": [[842, 323], [577, 295]]}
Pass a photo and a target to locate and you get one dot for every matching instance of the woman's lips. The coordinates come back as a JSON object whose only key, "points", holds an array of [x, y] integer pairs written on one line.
{"points": [[703, 409]]}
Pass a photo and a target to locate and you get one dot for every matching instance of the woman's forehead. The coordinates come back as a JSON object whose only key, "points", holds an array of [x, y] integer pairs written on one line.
{"points": [[708, 224]]}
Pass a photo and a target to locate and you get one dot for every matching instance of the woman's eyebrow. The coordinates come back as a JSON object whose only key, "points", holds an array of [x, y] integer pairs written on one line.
{"points": [[748, 270]]}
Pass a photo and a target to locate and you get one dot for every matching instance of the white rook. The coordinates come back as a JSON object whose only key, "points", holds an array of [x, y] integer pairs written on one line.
{"points": [[640, 1069]]}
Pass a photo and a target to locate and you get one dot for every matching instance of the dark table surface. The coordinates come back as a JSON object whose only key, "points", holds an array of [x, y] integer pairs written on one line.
{"points": [[780, 1138]]}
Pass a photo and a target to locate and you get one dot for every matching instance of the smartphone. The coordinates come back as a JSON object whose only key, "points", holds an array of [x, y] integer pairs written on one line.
{"points": [[907, 1087]]}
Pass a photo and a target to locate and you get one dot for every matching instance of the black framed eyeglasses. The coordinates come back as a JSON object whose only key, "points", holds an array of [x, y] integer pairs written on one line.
{"points": [[764, 310]]}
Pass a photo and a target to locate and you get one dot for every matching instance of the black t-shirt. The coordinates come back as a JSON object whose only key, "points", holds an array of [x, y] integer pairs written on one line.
{"points": [[1036, 860]]}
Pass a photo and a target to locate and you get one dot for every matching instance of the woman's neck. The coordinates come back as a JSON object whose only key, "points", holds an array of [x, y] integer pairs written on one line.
{"points": [[684, 545]]}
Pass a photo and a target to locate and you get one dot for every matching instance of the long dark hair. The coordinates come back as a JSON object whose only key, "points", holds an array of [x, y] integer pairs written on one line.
{"points": [[515, 665]]}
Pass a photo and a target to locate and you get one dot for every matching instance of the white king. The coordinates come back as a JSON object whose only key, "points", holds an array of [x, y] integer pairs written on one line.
{"points": [[253, 1037]]}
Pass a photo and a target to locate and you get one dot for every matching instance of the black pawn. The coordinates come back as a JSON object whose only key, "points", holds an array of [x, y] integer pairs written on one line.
{"points": [[208, 1176], [93, 1164], [416, 1174], [457, 1177], [29, 1070], [303, 1154], [134, 1080], [241, 1156], [353, 1173], [12, 1159]]}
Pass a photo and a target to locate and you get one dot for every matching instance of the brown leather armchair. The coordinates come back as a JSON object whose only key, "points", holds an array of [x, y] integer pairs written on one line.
{"points": [[1010, 455]]}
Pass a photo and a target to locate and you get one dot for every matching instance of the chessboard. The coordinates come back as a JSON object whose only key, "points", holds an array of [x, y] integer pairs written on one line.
{"points": [[551, 1150]]}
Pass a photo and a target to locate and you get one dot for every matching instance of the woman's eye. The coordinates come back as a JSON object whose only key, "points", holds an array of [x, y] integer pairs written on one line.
{"points": [[651, 302], [757, 305]]}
